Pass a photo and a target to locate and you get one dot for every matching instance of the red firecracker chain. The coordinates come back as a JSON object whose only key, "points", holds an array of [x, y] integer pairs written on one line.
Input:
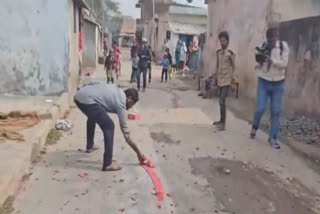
{"points": [[147, 165]]}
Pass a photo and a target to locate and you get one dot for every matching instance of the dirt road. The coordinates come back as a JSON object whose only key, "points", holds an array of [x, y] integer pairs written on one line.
{"points": [[203, 171]]}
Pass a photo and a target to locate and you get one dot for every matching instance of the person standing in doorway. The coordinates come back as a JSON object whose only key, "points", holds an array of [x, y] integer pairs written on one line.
{"points": [[144, 57], [96, 100], [183, 54], [272, 58], [225, 69]]}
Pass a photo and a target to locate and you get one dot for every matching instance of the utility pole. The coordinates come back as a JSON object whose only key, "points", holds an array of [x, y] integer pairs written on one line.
{"points": [[153, 10]]}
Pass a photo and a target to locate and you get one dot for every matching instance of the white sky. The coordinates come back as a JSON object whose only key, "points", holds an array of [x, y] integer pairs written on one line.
{"points": [[128, 8]]}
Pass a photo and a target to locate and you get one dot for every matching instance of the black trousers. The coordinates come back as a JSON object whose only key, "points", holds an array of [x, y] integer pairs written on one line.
{"points": [[223, 94], [149, 71], [164, 73], [142, 71], [97, 114]]}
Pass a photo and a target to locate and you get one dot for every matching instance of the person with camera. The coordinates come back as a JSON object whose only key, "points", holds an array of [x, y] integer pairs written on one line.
{"points": [[225, 69], [272, 58]]}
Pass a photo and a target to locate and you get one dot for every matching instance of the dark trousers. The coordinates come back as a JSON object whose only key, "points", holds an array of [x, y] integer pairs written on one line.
{"points": [[149, 71], [97, 114], [144, 72], [223, 94], [164, 73], [133, 74]]}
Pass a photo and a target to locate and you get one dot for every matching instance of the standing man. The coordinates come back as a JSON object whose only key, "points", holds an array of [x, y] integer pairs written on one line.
{"points": [[95, 100], [225, 69], [134, 53], [144, 57], [272, 58]]}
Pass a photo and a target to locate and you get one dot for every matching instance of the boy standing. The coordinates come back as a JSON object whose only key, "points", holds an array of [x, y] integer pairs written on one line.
{"points": [[225, 69], [165, 67]]}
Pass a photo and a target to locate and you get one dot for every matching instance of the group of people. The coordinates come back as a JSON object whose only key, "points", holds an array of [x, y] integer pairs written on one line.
{"points": [[141, 57], [272, 60], [112, 63], [97, 99], [185, 56]]}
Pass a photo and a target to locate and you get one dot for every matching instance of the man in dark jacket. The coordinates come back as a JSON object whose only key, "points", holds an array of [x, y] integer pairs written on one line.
{"points": [[144, 57]]}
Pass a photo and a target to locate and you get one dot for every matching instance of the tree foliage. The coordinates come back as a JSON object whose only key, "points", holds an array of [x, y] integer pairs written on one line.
{"points": [[107, 13]]}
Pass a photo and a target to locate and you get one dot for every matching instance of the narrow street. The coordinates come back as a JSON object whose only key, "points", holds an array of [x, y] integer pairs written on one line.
{"points": [[203, 171]]}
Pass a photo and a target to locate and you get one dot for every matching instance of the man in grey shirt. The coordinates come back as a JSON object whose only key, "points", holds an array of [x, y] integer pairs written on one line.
{"points": [[95, 100]]}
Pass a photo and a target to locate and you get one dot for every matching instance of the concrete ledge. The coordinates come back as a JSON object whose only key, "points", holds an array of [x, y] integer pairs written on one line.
{"points": [[16, 157]]}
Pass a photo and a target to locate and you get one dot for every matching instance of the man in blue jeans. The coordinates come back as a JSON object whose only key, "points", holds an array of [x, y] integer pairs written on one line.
{"points": [[272, 58], [144, 57], [96, 100]]}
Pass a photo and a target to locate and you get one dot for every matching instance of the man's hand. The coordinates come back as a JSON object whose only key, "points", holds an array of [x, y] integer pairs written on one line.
{"points": [[141, 158]]}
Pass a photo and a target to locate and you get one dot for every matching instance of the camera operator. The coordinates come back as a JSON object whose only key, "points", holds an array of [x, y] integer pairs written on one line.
{"points": [[272, 58]]}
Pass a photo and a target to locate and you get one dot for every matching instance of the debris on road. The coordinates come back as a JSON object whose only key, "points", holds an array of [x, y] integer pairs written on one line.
{"points": [[12, 123], [82, 175], [122, 210], [64, 125], [227, 171]]}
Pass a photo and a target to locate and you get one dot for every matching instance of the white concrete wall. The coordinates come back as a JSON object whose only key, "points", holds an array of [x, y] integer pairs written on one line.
{"points": [[74, 57], [286, 10], [34, 47]]}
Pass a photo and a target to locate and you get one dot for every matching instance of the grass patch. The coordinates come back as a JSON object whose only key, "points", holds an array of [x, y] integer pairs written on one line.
{"points": [[53, 137], [7, 206]]}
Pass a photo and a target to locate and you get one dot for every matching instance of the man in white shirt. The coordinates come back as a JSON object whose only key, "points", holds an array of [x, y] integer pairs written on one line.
{"points": [[272, 58]]}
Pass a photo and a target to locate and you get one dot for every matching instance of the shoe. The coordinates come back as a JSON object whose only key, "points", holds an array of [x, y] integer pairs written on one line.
{"points": [[144, 90], [217, 123], [253, 133], [221, 127], [274, 144], [92, 149]]}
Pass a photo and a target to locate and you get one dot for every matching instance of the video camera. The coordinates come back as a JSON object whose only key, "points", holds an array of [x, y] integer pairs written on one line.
{"points": [[263, 53]]}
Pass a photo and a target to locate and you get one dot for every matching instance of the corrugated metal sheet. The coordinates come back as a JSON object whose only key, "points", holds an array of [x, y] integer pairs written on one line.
{"points": [[188, 10], [188, 29]]}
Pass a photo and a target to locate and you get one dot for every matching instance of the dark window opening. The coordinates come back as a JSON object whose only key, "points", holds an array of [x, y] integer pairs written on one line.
{"points": [[168, 35]]}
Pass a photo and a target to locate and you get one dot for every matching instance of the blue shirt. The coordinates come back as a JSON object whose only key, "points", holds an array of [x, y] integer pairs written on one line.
{"points": [[165, 63]]}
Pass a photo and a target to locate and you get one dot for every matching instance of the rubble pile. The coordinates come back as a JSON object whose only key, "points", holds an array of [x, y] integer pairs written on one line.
{"points": [[303, 129]]}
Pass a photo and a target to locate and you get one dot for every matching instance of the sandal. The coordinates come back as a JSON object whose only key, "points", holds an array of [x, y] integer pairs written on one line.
{"points": [[112, 167], [92, 149]]}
